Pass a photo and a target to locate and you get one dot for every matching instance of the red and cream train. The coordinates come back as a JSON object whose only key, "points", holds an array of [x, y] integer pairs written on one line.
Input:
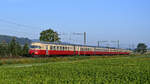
{"points": [[50, 49]]}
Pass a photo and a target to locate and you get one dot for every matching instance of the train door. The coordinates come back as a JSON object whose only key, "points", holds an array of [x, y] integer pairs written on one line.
{"points": [[74, 50], [46, 49], [79, 50]]}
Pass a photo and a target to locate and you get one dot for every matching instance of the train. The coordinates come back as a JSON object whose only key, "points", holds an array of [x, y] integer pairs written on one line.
{"points": [[66, 49]]}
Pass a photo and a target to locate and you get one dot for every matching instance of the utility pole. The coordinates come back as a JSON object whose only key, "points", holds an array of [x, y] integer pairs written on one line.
{"points": [[133, 46], [118, 44], [83, 34], [98, 43], [129, 46], [108, 45], [84, 38]]}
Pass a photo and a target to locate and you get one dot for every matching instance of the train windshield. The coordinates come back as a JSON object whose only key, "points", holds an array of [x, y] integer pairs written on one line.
{"points": [[33, 46]]}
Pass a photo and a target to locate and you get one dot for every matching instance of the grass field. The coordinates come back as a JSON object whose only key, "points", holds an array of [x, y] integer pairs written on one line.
{"points": [[79, 70]]}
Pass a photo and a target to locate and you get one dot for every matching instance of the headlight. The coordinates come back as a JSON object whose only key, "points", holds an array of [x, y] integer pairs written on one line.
{"points": [[35, 52]]}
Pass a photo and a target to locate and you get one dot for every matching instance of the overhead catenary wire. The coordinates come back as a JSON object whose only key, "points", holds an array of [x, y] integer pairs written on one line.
{"points": [[73, 37], [20, 28], [19, 33], [17, 24], [23, 29]]}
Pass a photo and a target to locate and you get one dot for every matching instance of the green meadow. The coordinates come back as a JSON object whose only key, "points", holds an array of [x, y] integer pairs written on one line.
{"points": [[76, 70]]}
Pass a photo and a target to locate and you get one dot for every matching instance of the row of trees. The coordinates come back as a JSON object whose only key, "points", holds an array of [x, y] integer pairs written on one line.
{"points": [[13, 49]]}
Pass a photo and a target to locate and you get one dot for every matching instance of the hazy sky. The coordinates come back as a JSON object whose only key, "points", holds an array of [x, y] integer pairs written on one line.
{"points": [[124, 20]]}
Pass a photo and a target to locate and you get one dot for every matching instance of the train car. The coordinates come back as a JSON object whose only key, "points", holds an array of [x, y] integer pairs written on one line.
{"points": [[51, 49]]}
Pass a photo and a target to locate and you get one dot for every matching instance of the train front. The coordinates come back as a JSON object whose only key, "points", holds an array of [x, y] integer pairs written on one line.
{"points": [[35, 49]]}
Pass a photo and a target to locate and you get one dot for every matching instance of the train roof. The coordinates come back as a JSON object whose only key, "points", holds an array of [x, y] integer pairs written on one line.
{"points": [[63, 43]]}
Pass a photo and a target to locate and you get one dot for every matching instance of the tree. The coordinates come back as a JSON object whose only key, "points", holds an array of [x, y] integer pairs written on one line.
{"points": [[25, 49], [4, 49], [15, 48], [141, 48], [18, 49], [49, 36]]}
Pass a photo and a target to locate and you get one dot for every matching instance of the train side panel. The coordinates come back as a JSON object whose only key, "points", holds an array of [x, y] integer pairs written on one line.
{"points": [[59, 49]]}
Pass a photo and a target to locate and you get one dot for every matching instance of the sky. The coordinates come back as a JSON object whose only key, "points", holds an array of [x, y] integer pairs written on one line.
{"points": [[102, 20]]}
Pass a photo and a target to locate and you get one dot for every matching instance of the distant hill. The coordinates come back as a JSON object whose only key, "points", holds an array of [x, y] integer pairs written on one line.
{"points": [[7, 39]]}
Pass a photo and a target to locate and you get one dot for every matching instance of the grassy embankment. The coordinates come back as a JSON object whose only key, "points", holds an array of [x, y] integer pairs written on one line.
{"points": [[71, 70], [29, 60]]}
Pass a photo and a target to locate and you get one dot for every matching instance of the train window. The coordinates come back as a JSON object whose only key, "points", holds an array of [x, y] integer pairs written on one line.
{"points": [[70, 48], [58, 48], [33, 46], [42, 47], [80, 49], [63, 48], [66, 48], [51, 47], [54, 48]]}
